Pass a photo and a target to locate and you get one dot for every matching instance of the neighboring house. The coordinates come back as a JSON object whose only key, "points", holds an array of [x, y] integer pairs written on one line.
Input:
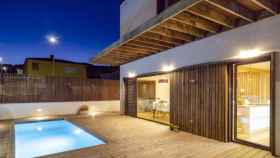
{"points": [[54, 67], [64, 68], [208, 67], [12, 69]]}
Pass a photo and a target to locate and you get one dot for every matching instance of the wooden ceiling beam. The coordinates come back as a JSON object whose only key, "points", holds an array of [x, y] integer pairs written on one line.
{"points": [[119, 57], [211, 14], [135, 48], [148, 48], [130, 51], [183, 28], [233, 7], [158, 37], [149, 45], [125, 54], [172, 33], [268, 5], [106, 60], [197, 22], [153, 42]]}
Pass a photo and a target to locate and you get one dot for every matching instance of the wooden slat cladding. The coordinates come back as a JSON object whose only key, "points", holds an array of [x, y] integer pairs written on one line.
{"points": [[199, 100], [130, 97], [28, 89]]}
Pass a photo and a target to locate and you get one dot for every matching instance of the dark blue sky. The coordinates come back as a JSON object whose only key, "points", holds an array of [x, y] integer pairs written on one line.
{"points": [[84, 27]]}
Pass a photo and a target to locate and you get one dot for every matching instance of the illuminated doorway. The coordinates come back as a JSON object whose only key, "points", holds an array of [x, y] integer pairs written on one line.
{"points": [[252, 103], [153, 98]]}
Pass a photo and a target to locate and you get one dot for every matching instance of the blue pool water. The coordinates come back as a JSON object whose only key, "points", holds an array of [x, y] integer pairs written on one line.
{"points": [[50, 137]]}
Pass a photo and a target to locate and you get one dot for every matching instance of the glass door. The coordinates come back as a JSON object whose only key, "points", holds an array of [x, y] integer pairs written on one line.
{"points": [[252, 103], [153, 97]]}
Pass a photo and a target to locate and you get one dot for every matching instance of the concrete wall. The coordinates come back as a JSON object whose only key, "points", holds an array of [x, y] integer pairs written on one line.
{"points": [[136, 12], [263, 37], [21, 110]]}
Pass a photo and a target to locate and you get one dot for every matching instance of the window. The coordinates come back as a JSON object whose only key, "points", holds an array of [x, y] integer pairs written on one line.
{"points": [[35, 66], [71, 70], [164, 4]]}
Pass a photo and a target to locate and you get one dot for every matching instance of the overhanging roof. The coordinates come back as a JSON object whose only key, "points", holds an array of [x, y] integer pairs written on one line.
{"points": [[184, 22]]}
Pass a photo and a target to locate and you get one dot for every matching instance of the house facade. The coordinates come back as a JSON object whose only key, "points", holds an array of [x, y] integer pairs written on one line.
{"points": [[208, 67], [54, 67]]}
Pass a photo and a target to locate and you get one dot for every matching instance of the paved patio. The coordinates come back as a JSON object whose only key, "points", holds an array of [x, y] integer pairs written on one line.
{"points": [[135, 138]]}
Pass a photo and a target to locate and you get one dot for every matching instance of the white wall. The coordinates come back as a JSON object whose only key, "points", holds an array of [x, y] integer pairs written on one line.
{"points": [[263, 35], [22, 110], [133, 13]]}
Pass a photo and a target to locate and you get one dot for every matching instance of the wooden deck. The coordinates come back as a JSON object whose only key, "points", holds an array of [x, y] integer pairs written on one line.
{"points": [[129, 137], [5, 139]]}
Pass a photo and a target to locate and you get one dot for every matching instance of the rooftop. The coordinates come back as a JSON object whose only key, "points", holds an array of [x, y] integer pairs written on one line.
{"points": [[56, 60]]}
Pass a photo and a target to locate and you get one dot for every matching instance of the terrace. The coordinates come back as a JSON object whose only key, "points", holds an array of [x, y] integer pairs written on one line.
{"points": [[132, 137], [196, 95]]}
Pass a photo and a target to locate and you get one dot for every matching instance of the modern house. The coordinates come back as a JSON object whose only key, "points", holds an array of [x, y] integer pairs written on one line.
{"points": [[208, 67]]}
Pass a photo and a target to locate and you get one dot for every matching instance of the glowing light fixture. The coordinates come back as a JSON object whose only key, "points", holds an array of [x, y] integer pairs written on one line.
{"points": [[39, 110], [39, 129], [52, 39], [77, 131], [131, 74], [5, 69], [168, 68], [250, 53]]}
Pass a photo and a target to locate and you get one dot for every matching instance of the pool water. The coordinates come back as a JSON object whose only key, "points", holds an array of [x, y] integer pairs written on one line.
{"points": [[50, 137]]}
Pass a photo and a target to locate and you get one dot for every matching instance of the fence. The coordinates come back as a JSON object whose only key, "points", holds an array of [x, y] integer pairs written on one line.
{"points": [[27, 89]]}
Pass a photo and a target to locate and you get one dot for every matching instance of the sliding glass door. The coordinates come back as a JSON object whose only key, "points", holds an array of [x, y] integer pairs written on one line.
{"points": [[252, 103], [153, 98]]}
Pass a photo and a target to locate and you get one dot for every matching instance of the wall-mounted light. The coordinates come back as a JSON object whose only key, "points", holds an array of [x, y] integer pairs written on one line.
{"points": [[250, 53], [168, 68], [131, 74], [4, 68], [39, 110]]}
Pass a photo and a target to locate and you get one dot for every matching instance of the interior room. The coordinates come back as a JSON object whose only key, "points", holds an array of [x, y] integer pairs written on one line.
{"points": [[153, 98], [253, 103]]}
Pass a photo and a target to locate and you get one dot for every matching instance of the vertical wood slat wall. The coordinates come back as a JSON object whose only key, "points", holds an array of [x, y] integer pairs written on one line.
{"points": [[32, 89], [131, 96], [199, 100]]}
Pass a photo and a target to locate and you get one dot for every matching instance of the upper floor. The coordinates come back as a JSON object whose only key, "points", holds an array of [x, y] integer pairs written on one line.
{"points": [[133, 13], [149, 27]]}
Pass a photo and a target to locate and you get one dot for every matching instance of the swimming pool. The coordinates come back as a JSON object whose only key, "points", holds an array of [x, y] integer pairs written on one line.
{"points": [[49, 137]]}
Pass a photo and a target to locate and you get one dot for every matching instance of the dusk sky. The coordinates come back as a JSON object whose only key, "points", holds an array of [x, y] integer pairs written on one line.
{"points": [[84, 27]]}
